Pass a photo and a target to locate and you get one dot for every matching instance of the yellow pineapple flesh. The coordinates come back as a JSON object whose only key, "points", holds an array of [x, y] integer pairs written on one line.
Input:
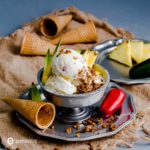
{"points": [[90, 57], [78, 50], [97, 69], [137, 50], [146, 51], [122, 53]]}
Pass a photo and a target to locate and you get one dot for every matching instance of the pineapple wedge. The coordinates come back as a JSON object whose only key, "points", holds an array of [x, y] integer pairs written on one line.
{"points": [[146, 51], [90, 57], [97, 69], [122, 53], [137, 50], [78, 50]]}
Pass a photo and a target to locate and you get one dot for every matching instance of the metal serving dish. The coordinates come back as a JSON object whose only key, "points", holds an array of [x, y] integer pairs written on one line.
{"points": [[74, 100], [118, 72], [74, 107], [125, 116]]}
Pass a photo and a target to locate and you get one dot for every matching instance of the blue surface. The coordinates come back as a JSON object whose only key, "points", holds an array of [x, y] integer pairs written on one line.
{"points": [[133, 15]]}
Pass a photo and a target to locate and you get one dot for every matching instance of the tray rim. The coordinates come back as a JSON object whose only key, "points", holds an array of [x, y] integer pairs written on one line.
{"points": [[75, 139]]}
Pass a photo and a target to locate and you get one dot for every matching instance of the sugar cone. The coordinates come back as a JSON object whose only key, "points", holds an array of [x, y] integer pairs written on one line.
{"points": [[82, 34], [51, 26], [40, 114], [34, 45]]}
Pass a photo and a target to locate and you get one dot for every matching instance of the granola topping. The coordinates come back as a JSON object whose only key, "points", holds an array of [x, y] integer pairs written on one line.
{"points": [[89, 81], [63, 51], [68, 130], [77, 135], [93, 124], [77, 69]]}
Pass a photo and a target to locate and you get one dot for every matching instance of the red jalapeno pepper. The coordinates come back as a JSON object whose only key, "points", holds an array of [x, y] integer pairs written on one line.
{"points": [[112, 102]]}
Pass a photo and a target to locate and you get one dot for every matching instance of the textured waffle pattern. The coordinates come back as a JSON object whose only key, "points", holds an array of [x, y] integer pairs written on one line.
{"points": [[34, 45], [30, 110], [82, 34], [60, 21]]}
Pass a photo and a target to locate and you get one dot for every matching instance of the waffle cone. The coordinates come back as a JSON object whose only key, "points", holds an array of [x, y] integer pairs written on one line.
{"points": [[51, 26], [83, 34], [34, 45], [40, 114]]}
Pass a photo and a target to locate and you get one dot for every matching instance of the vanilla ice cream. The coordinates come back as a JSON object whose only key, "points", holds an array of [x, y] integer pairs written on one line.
{"points": [[68, 63], [71, 74], [60, 85]]}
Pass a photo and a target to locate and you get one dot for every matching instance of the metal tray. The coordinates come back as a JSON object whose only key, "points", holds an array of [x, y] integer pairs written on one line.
{"points": [[118, 72], [125, 116]]}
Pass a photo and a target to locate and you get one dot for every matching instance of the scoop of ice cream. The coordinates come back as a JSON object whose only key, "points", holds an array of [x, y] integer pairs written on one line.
{"points": [[68, 63], [60, 85], [72, 74]]}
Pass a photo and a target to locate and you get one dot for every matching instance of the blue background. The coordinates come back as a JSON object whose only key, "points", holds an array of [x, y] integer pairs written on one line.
{"points": [[133, 15]]}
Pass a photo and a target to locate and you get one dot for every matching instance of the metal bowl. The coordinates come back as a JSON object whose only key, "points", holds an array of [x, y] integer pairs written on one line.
{"points": [[75, 100]]}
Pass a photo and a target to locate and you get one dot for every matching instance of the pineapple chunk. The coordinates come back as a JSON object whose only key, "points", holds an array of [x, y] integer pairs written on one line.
{"points": [[90, 57], [78, 50], [146, 51], [85, 55], [137, 50], [97, 69], [122, 53]]}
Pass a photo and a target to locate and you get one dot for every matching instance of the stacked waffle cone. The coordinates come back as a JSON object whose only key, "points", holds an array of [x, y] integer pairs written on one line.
{"points": [[41, 114], [83, 34], [32, 44], [52, 25]]}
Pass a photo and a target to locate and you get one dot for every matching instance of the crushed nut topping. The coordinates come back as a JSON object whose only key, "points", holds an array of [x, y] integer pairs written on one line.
{"points": [[63, 51], [105, 125], [89, 128], [64, 68], [112, 127], [67, 51], [76, 126], [87, 80], [75, 57], [100, 121], [93, 124], [68, 130], [77, 134]]}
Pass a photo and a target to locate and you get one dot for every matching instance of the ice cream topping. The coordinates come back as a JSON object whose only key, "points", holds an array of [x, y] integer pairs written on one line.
{"points": [[68, 63], [70, 73]]}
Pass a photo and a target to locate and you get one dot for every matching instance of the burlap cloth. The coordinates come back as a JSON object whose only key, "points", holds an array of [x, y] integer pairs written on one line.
{"points": [[18, 72]]}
